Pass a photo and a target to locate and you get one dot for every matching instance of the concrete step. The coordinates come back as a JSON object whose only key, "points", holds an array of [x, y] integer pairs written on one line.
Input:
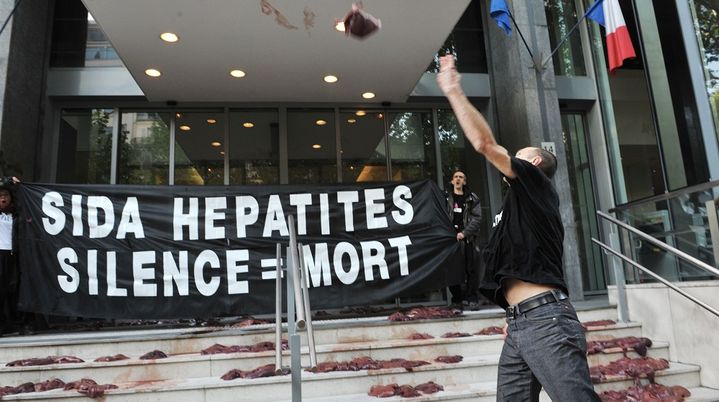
{"points": [[677, 374], [192, 340], [196, 365], [484, 392], [659, 350], [277, 388], [618, 330], [315, 388]]}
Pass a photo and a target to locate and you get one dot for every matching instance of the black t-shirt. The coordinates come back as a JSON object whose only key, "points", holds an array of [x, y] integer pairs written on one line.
{"points": [[458, 210], [526, 243]]}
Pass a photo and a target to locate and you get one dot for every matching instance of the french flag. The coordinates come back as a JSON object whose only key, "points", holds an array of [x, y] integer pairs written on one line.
{"points": [[619, 46]]}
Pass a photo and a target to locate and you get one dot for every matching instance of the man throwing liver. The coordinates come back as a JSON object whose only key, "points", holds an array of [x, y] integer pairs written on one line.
{"points": [[545, 345]]}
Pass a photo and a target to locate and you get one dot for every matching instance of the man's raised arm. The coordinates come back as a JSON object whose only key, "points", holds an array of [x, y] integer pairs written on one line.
{"points": [[473, 123]]}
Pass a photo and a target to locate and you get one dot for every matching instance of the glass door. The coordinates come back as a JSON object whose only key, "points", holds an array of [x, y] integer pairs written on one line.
{"points": [[580, 176]]}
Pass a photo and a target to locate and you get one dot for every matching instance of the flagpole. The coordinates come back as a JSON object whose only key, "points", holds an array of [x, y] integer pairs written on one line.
{"points": [[564, 39], [519, 31]]}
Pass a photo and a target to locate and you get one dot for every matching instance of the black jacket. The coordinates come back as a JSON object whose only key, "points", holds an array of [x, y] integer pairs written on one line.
{"points": [[8, 184], [471, 213]]}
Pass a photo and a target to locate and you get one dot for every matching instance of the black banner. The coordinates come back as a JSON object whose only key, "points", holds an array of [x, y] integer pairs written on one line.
{"points": [[116, 251]]}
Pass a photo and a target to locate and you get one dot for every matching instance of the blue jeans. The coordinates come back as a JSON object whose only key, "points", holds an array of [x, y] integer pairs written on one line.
{"points": [[545, 347]]}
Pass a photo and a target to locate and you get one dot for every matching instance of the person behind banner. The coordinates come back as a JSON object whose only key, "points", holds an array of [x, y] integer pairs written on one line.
{"points": [[8, 256], [545, 346], [465, 211]]}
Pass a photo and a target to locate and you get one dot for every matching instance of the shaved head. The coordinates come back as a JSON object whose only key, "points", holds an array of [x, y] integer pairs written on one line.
{"points": [[541, 158]]}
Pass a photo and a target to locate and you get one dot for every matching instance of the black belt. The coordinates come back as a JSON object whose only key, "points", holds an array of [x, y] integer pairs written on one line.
{"points": [[550, 296]]}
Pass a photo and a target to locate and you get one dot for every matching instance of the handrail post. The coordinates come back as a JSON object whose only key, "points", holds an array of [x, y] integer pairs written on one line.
{"points": [[293, 336], [308, 310], [618, 270], [293, 268], [278, 310]]}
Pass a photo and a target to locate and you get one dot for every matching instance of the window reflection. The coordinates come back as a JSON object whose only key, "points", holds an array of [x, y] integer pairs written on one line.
{"points": [[199, 148], [707, 26], [411, 141], [85, 146], [254, 147], [144, 148], [451, 143], [311, 147], [561, 17], [466, 43], [364, 151], [98, 49]]}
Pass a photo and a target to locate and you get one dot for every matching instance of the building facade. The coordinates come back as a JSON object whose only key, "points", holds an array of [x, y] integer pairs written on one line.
{"points": [[74, 111]]}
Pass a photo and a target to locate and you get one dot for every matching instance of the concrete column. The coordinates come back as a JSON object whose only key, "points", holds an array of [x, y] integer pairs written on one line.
{"points": [[527, 110], [6, 7], [24, 54]]}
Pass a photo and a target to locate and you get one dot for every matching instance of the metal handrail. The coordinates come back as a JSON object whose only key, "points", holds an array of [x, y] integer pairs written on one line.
{"points": [[657, 277], [662, 245], [666, 196], [278, 309]]}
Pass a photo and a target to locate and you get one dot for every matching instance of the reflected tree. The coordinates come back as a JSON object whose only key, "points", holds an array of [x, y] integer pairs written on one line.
{"points": [[98, 164]]}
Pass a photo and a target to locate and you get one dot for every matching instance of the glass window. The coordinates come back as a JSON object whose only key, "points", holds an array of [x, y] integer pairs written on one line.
{"points": [[311, 147], [636, 133], [364, 150], [98, 49], [451, 143], [411, 143], [254, 147], [69, 34], [77, 39], [706, 13], [144, 148], [199, 148], [561, 17], [85, 146], [466, 43], [457, 154]]}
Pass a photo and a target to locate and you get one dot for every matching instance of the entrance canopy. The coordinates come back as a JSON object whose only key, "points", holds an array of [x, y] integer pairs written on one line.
{"points": [[285, 47]]}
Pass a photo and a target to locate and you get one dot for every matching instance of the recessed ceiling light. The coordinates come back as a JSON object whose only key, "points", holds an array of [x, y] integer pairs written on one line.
{"points": [[368, 95], [185, 128], [360, 113], [169, 37], [216, 144], [330, 79], [320, 122], [248, 124], [316, 146], [351, 121], [222, 152], [211, 121], [178, 115], [153, 72], [340, 26], [380, 115], [237, 73]]}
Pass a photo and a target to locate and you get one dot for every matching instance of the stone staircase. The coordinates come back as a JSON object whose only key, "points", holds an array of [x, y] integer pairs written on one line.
{"points": [[186, 375]]}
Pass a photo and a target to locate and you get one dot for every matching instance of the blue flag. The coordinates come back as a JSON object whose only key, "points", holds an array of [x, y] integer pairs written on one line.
{"points": [[596, 13], [499, 11]]}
